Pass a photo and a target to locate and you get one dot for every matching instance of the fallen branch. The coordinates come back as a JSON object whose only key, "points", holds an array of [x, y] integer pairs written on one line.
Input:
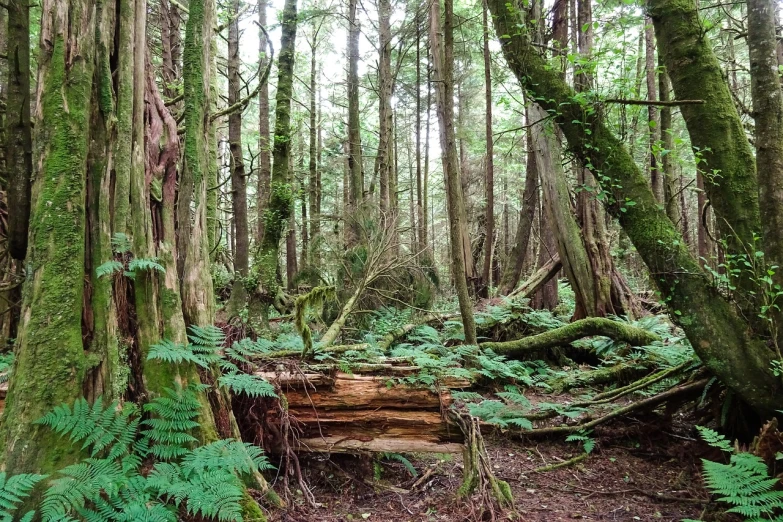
{"points": [[673, 103], [649, 402], [564, 464], [539, 278], [565, 334], [612, 395]]}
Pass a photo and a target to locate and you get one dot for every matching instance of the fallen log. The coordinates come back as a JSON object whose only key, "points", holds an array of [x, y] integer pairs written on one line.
{"points": [[353, 413], [588, 327]]}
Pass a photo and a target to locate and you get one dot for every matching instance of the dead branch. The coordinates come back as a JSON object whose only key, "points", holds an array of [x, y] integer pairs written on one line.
{"points": [[539, 278]]}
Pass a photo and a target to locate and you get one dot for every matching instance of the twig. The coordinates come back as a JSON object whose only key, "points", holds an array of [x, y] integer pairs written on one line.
{"points": [[564, 464], [673, 103]]}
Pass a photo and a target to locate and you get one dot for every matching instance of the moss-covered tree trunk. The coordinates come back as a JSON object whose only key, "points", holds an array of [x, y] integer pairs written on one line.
{"points": [[282, 197], [719, 335], [85, 335], [354, 212]]}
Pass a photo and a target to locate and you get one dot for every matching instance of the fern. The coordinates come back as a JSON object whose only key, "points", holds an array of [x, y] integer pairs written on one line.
{"points": [[744, 483], [6, 363], [176, 353], [585, 437], [407, 464], [228, 455], [121, 243], [149, 264], [168, 431], [248, 384], [13, 490], [109, 268]]}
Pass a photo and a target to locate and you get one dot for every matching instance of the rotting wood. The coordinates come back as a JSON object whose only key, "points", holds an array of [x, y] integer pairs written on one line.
{"points": [[352, 413]]}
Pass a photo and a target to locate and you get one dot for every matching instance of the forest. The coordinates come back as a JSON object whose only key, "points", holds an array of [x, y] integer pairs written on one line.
{"points": [[391, 260]]}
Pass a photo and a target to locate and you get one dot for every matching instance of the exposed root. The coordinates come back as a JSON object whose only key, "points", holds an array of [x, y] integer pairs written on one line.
{"points": [[494, 495], [582, 328]]}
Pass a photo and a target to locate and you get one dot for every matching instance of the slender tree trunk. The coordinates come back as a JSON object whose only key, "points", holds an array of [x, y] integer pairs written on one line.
{"points": [[313, 182], [421, 212], [653, 133], [264, 147], [18, 131], [671, 203], [516, 261], [442, 66], [354, 212], [702, 217], [238, 177], [383, 159], [489, 184]]}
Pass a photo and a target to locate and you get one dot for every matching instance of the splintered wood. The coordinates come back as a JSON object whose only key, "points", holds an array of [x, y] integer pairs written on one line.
{"points": [[351, 413]]}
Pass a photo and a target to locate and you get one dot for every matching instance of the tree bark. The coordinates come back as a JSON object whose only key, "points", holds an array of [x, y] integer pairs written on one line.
{"points": [[18, 131], [768, 114], [238, 177], [653, 134], [281, 203], [671, 204], [489, 180], [313, 181], [719, 335], [442, 66], [354, 214], [264, 148]]}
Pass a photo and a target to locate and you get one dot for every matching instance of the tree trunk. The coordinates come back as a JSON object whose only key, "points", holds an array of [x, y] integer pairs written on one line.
{"points": [[18, 131], [264, 148], [281, 203], [714, 127], [383, 159], [238, 177], [354, 213], [68, 344], [671, 204], [313, 182], [719, 335], [516, 261], [768, 114], [489, 183], [442, 66], [652, 111]]}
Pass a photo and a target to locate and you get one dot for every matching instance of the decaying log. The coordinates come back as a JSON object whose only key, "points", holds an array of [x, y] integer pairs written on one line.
{"points": [[571, 332], [352, 413]]}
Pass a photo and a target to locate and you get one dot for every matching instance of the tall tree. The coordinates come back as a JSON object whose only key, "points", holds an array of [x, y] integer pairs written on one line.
{"points": [[264, 156], [653, 128], [384, 165], [442, 67], [18, 131], [354, 215], [768, 114], [238, 176], [489, 179], [282, 195], [313, 182]]}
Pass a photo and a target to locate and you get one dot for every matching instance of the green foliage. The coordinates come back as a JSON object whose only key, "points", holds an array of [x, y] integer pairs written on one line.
{"points": [[402, 460], [13, 490], [585, 437], [126, 263], [201, 480], [6, 363], [744, 483], [248, 384], [511, 411], [314, 299]]}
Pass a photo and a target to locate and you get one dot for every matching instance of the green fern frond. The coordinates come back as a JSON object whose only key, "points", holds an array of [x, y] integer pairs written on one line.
{"points": [[82, 484], [402, 460], [248, 384], [149, 264], [225, 454], [174, 417], [6, 363], [176, 353], [121, 243], [108, 268], [14, 489], [715, 439]]}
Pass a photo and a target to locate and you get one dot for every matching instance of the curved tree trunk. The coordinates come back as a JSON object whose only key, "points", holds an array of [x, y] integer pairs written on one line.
{"points": [[719, 335]]}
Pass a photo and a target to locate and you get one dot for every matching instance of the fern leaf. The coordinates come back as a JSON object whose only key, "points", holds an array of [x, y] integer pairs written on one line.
{"points": [[15, 489], [248, 384]]}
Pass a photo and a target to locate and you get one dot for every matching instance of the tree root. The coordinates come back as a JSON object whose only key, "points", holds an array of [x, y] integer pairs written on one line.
{"points": [[565, 334], [649, 402], [564, 464], [494, 494]]}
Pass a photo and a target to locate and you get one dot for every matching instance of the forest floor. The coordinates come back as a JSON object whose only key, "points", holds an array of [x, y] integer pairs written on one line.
{"points": [[643, 468]]}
